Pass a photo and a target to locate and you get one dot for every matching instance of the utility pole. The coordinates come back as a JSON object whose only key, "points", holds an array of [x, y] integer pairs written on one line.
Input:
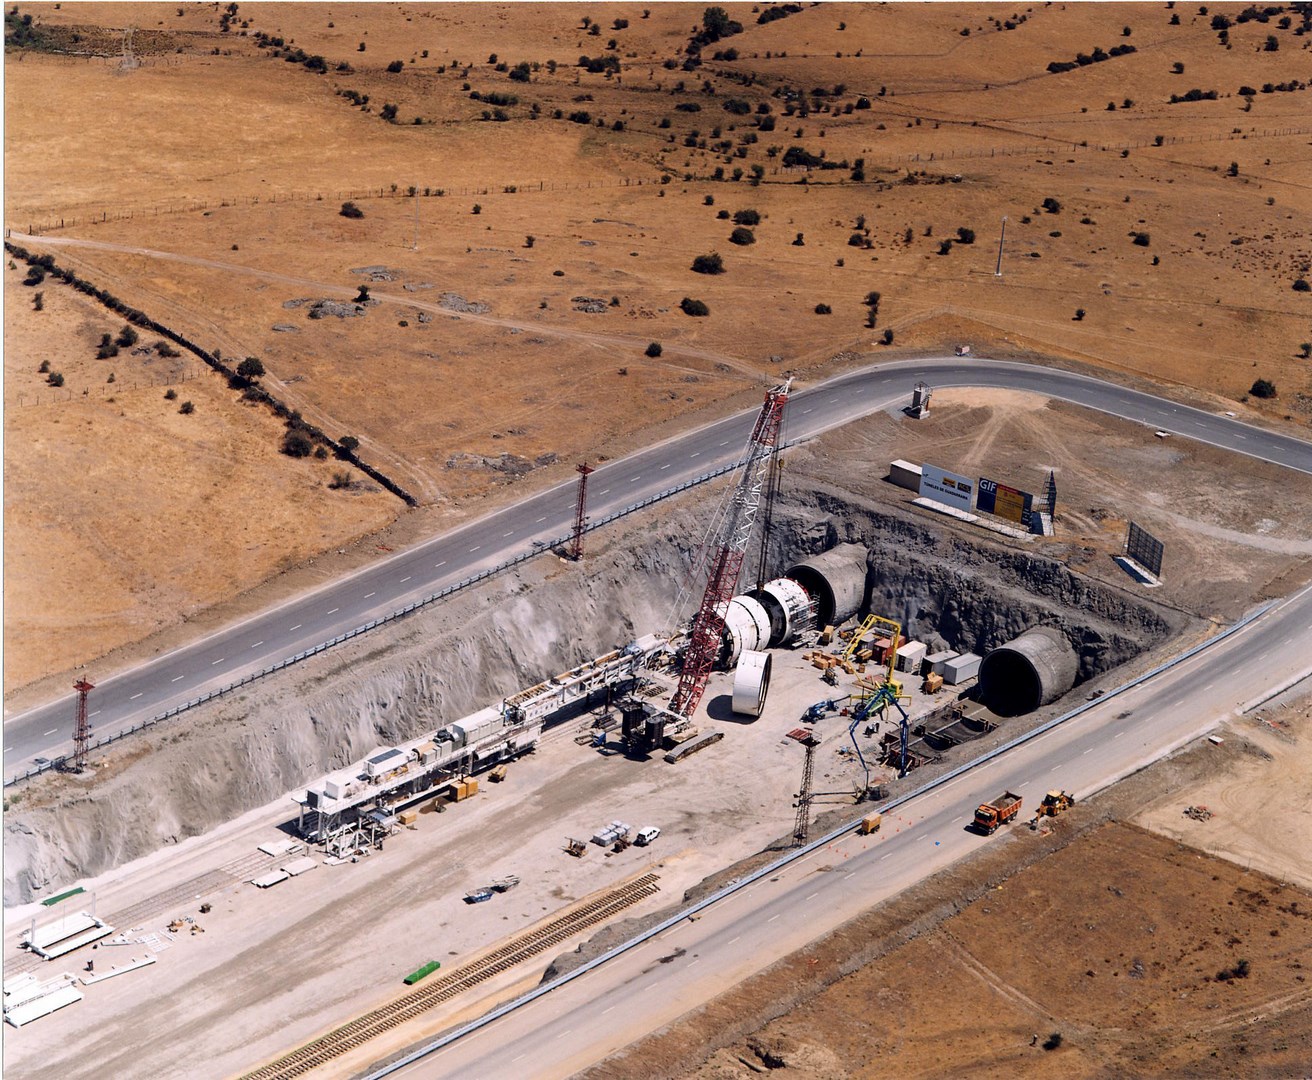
{"points": [[82, 731], [416, 244], [803, 827], [580, 511], [997, 270]]}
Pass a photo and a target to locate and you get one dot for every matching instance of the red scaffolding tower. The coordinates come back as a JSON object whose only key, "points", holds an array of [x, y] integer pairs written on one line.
{"points": [[580, 511], [82, 731]]}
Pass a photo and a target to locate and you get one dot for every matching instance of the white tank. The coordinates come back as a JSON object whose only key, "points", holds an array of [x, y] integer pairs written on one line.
{"points": [[789, 607], [746, 626], [751, 682]]}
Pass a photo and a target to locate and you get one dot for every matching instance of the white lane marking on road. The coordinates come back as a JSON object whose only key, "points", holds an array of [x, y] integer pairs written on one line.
{"points": [[883, 857], [1177, 704], [695, 453], [606, 492], [773, 917], [696, 962], [634, 479], [805, 411], [564, 1033], [403, 581], [475, 548], [337, 609], [812, 896], [296, 627], [6, 750], [1118, 735], [1209, 686], [524, 1055], [541, 520], [218, 661], [736, 940], [437, 564], [666, 466], [50, 732], [367, 595], [259, 643], [852, 874], [605, 1011], [511, 533], [1088, 751], [135, 696], [1241, 436], [179, 677], [90, 715], [725, 443]]}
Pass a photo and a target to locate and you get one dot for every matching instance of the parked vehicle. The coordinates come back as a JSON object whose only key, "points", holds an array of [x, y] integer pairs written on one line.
{"points": [[646, 835], [1001, 810]]}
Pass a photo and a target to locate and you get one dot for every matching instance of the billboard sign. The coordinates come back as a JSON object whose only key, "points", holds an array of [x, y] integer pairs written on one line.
{"points": [[1145, 549], [945, 487], [1005, 502]]}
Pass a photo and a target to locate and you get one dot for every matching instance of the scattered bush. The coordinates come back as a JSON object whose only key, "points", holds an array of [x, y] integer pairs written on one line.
{"points": [[1079, 315], [1052, 1041], [39, 301], [127, 337], [887, 339], [395, 67], [251, 367], [1263, 388], [800, 240], [823, 309], [1305, 350], [55, 379], [1239, 971], [477, 209], [1141, 239], [746, 217], [295, 443], [45, 367], [1051, 205], [170, 394], [186, 408], [654, 350], [695, 308], [742, 237], [944, 247], [350, 210], [1301, 285], [708, 264], [965, 236]]}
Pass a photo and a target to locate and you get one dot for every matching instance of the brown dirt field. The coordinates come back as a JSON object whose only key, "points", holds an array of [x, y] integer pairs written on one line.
{"points": [[157, 559], [269, 138], [1103, 932]]}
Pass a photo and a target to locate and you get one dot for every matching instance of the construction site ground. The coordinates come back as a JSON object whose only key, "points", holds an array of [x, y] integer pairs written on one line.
{"points": [[1092, 947], [325, 946]]}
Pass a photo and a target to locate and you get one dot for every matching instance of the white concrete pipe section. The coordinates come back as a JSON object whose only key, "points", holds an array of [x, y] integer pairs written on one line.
{"points": [[836, 580], [746, 626], [790, 609], [751, 682]]}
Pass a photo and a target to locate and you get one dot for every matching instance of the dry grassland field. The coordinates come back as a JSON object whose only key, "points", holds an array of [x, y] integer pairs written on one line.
{"points": [[202, 183]]}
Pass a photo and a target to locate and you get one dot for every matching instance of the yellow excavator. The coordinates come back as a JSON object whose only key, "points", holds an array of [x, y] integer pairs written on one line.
{"points": [[1054, 803]]}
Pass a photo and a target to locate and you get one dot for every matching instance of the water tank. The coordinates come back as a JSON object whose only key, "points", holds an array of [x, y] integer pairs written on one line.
{"points": [[751, 682], [835, 580], [789, 609], [746, 626], [1034, 669]]}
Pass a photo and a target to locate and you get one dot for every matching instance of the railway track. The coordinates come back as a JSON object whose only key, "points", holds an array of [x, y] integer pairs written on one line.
{"points": [[519, 948]]}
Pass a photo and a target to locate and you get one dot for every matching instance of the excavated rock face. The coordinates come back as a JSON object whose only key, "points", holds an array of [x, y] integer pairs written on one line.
{"points": [[232, 756]]}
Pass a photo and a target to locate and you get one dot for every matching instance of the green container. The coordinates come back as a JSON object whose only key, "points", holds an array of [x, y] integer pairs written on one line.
{"points": [[423, 972]]}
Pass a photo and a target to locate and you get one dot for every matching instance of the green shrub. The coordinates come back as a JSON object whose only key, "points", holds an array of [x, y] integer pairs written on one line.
{"points": [[1263, 388], [695, 308], [654, 349], [708, 264]]}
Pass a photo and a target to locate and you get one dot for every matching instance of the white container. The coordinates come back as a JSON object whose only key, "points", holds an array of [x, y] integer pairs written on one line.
{"points": [[910, 655], [961, 668]]}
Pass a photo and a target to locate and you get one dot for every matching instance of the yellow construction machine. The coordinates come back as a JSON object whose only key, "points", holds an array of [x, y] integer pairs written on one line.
{"points": [[1054, 803]]}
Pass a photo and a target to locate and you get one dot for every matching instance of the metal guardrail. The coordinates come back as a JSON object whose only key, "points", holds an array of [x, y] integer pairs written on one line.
{"points": [[778, 864], [373, 624]]}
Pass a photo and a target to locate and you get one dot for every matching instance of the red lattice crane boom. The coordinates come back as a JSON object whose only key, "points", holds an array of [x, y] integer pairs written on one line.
{"points": [[731, 545]]}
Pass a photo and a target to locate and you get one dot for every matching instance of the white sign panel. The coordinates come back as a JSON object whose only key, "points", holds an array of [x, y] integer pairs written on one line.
{"points": [[946, 487]]}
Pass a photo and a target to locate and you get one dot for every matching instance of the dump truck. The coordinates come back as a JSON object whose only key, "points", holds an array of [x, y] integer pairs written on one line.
{"points": [[1001, 810], [1054, 802]]}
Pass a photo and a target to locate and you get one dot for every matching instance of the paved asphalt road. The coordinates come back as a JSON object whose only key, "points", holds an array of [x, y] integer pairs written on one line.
{"points": [[125, 698], [653, 983]]}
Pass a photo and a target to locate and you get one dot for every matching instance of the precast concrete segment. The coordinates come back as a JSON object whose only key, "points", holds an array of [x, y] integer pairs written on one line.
{"points": [[751, 682], [746, 627], [1034, 669], [836, 580]]}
